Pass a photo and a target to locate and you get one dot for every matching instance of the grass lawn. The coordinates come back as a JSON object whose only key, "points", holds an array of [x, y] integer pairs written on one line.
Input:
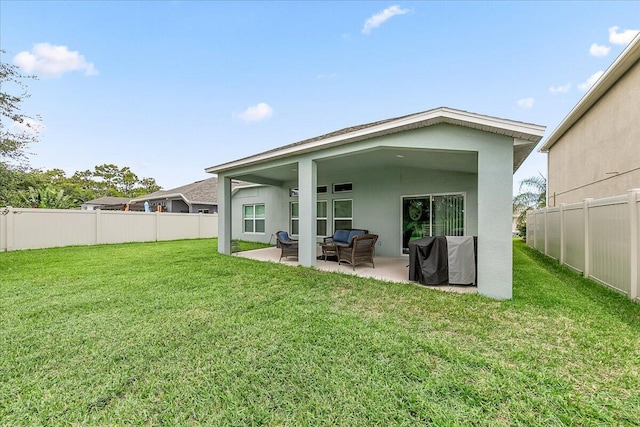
{"points": [[172, 333]]}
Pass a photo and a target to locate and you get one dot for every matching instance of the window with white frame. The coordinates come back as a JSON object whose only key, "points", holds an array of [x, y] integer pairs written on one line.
{"points": [[254, 218], [320, 189], [294, 218], [321, 218], [342, 214], [345, 187]]}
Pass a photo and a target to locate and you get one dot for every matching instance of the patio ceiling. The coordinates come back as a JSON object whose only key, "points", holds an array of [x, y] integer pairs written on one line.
{"points": [[380, 157]]}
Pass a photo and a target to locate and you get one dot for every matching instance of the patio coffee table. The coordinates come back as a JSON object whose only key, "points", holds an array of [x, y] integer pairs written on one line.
{"points": [[328, 249]]}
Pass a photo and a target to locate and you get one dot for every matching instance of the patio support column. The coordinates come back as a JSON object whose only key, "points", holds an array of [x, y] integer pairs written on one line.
{"points": [[495, 250], [307, 198], [224, 215]]}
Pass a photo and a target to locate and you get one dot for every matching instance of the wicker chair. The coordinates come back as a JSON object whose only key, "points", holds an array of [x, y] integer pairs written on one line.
{"points": [[360, 250], [288, 246]]}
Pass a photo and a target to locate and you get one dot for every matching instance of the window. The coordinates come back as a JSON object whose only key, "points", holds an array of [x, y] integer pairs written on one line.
{"points": [[343, 188], [294, 217], [320, 189], [321, 218], [205, 211], [342, 214], [431, 215], [254, 218]]}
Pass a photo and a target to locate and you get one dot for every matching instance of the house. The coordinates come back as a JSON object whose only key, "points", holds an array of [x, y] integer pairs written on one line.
{"points": [[594, 151], [199, 196], [438, 172], [110, 203]]}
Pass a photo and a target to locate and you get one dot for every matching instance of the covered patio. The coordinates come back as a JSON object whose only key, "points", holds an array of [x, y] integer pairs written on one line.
{"points": [[388, 269], [441, 172]]}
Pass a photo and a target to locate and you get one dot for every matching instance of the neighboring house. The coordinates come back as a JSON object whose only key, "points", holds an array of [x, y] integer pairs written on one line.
{"points": [[595, 151], [438, 172], [110, 203], [200, 196]]}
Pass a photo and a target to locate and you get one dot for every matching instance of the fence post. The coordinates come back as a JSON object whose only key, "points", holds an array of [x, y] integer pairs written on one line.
{"points": [[587, 243], [535, 230], [633, 246], [562, 251], [3, 230], [200, 224], [9, 225], [98, 226], [546, 238], [157, 225]]}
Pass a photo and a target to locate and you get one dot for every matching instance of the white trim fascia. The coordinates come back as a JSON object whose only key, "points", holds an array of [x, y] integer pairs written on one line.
{"points": [[163, 196], [438, 115], [235, 190], [621, 65]]}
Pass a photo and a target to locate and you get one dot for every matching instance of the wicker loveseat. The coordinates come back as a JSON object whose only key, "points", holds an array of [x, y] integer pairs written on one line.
{"points": [[344, 237]]}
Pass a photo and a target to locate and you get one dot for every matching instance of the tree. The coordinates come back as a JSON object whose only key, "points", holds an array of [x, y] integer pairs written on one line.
{"points": [[533, 195], [17, 130], [46, 198]]}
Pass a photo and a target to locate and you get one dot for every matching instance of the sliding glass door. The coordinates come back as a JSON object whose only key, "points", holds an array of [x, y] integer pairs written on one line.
{"points": [[431, 215]]}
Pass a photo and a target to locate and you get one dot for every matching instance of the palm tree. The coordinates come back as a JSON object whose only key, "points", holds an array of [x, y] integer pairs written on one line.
{"points": [[533, 195]]}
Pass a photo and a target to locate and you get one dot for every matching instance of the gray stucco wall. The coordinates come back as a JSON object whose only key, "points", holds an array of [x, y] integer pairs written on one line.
{"points": [[377, 198], [599, 156], [275, 200]]}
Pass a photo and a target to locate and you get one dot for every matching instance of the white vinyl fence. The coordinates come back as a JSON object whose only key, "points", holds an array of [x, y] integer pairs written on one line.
{"points": [[598, 238], [22, 228]]}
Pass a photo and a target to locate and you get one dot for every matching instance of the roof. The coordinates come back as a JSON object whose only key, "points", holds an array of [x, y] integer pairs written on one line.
{"points": [[200, 192], [527, 134], [620, 66], [108, 201]]}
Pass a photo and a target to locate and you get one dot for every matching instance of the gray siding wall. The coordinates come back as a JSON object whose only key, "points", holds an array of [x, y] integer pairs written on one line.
{"points": [[599, 156], [196, 207]]}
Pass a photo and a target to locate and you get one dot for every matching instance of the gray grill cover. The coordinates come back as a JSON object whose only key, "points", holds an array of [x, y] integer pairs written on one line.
{"points": [[428, 261], [440, 260]]}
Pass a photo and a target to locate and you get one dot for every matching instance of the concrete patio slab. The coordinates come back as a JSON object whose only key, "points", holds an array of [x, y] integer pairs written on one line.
{"points": [[387, 268]]}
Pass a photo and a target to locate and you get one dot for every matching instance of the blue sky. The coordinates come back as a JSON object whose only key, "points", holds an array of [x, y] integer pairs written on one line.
{"points": [[170, 88]]}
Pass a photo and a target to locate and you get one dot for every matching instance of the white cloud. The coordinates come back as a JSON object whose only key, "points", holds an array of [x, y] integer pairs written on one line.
{"points": [[255, 113], [590, 81], [378, 19], [53, 61], [560, 89], [621, 38], [598, 50], [526, 103], [327, 76]]}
